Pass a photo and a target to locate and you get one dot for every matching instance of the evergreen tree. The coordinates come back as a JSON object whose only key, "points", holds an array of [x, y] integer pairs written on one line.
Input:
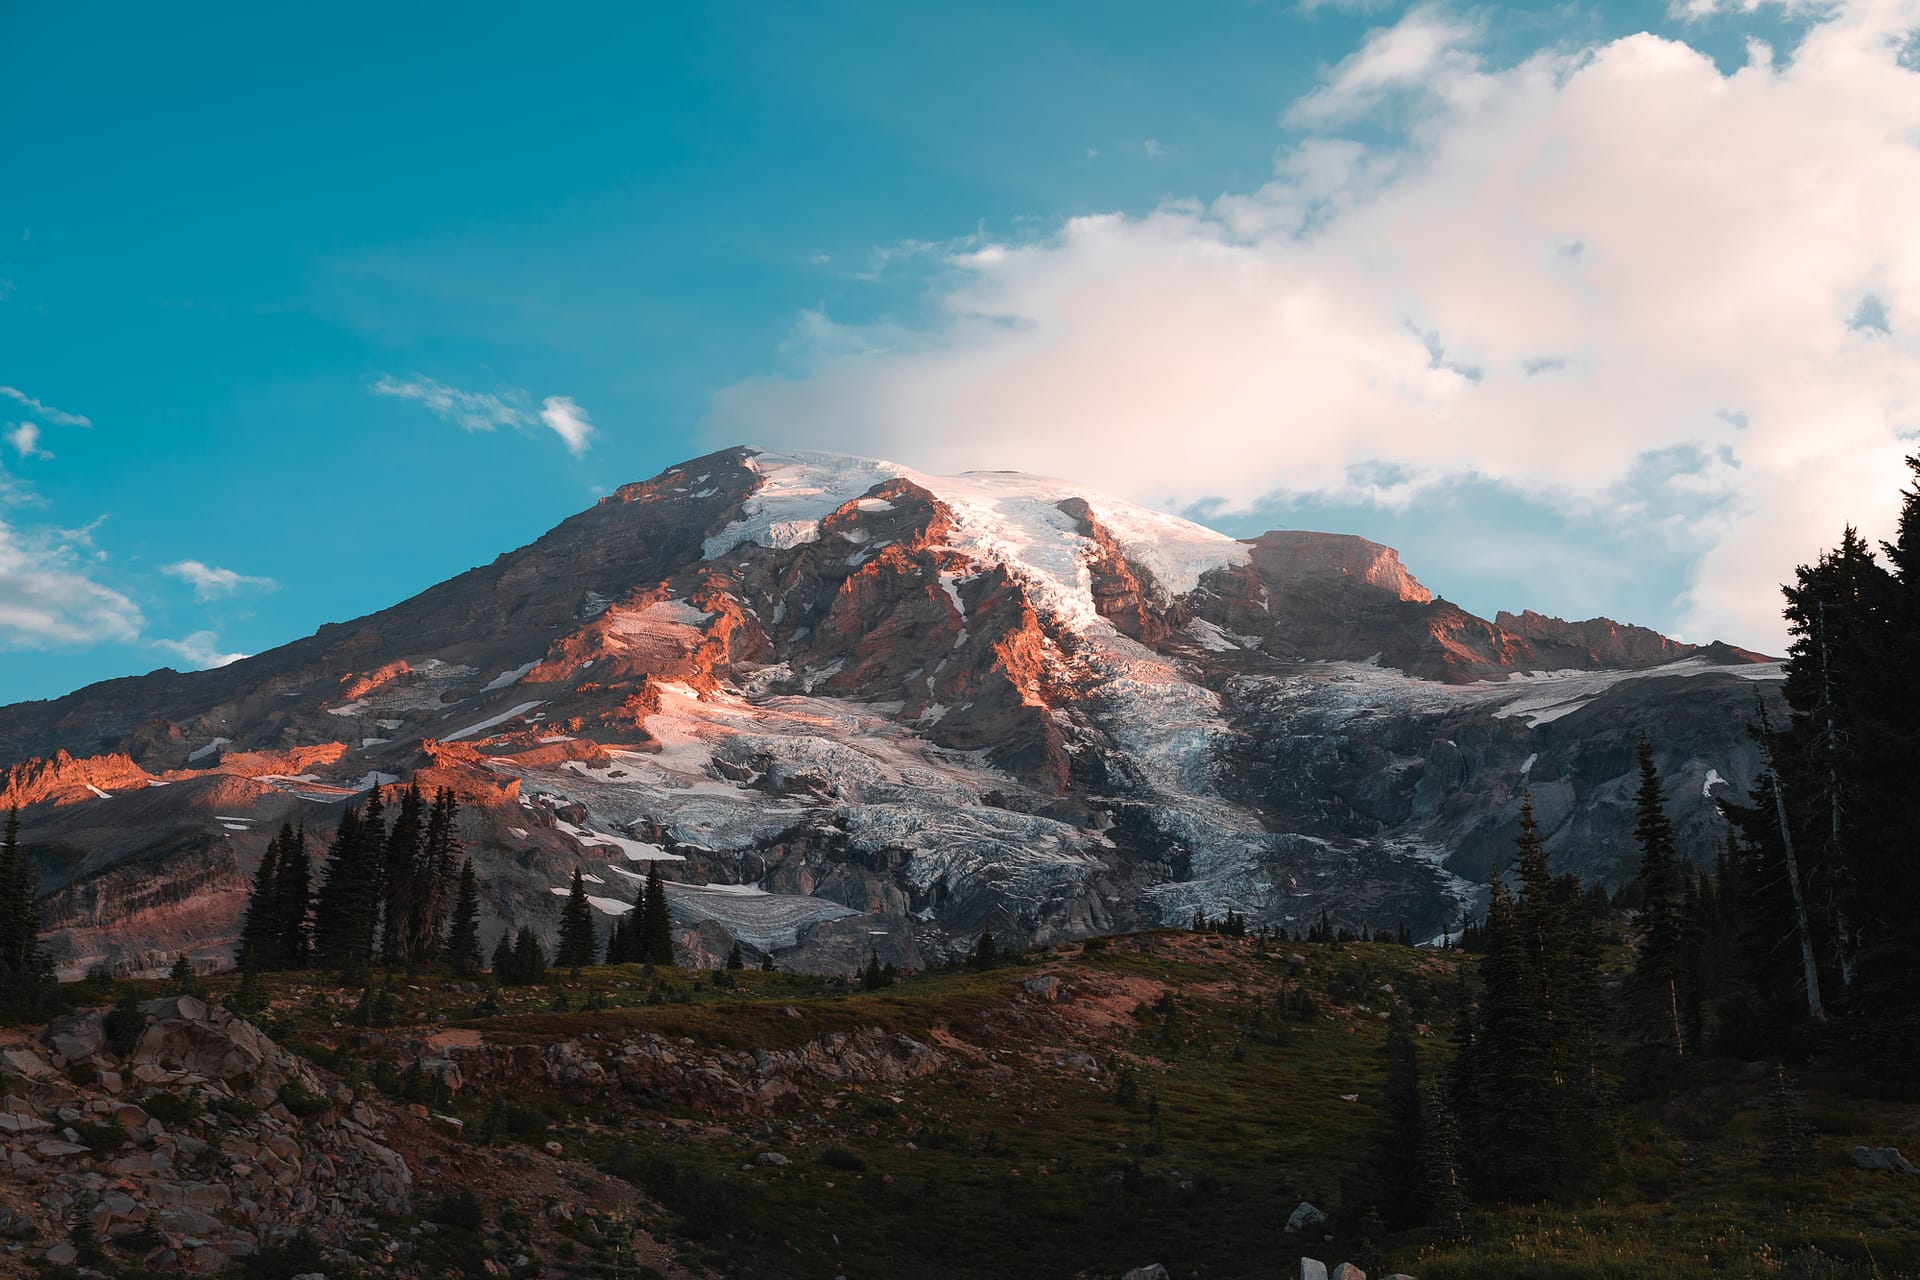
{"points": [[293, 889], [656, 923], [404, 869], [347, 912], [182, 980], [435, 886], [1789, 1137], [734, 959], [529, 958], [1443, 1185], [1388, 1180], [463, 935], [1655, 1031], [870, 977], [503, 957], [26, 973], [578, 944], [986, 952]]}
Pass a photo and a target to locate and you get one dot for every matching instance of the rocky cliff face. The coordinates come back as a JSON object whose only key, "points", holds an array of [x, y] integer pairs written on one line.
{"points": [[843, 705]]}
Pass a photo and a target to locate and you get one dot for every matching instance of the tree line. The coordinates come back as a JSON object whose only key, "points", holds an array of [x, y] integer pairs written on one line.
{"points": [[1799, 935]]}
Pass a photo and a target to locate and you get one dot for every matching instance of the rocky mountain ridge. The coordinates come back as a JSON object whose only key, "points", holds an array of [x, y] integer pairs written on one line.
{"points": [[843, 705]]}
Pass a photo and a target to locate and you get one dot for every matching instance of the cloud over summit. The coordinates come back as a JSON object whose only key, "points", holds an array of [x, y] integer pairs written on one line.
{"points": [[1617, 278]]}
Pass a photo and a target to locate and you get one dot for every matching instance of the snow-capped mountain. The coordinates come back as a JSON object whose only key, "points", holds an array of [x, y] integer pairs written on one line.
{"points": [[843, 704]]}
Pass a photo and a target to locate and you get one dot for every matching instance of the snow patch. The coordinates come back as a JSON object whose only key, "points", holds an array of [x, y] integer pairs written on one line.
{"points": [[201, 753], [97, 791], [1713, 780], [506, 678], [484, 725]]}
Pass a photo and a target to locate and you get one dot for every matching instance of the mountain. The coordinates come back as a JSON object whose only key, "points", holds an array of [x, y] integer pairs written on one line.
{"points": [[846, 705]]}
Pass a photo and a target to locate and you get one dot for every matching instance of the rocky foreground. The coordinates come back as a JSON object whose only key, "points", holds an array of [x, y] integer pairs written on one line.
{"points": [[196, 1141]]}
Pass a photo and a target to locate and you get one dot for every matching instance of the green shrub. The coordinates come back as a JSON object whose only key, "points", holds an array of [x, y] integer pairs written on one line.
{"points": [[302, 1101], [844, 1159]]}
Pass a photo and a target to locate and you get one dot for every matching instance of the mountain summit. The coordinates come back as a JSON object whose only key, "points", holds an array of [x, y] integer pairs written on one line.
{"points": [[843, 705]]}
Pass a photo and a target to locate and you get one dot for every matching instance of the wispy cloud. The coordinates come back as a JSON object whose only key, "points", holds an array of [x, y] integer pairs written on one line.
{"points": [[25, 439], [211, 582], [201, 650], [486, 411], [45, 412], [1155, 148], [47, 597]]}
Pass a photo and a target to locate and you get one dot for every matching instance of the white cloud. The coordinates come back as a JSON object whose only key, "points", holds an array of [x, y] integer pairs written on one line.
{"points": [[201, 650], [211, 582], [47, 598], [1426, 49], [1155, 148], [1567, 264], [484, 411], [25, 439], [46, 413], [568, 421], [472, 410]]}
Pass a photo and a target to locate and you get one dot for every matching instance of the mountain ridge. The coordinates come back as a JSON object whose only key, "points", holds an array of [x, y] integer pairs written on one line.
{"points": [[899, 708]]}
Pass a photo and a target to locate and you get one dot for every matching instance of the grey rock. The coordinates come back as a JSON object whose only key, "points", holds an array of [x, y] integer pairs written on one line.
{"points": [[1882, 1158], [1347, 1271], [1152, 1271], [1312, 1269], [78, 1036], [63, 1255], [1305, 1216], [772, 1158]]}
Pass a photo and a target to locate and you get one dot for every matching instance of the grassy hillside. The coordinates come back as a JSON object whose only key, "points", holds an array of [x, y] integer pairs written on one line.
{"points": [[1171, 1099]]}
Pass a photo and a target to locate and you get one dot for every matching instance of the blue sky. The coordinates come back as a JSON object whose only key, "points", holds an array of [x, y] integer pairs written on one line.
{"points": [[228, 234]]}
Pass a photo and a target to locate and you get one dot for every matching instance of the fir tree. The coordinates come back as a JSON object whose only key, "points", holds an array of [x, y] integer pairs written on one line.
{"points": [[463, 935], [870, 978], [986, 952], [578, 945], [734, 959], [1656, 1031], [529, 958], [293, 889], [503, 957], [656, 923], [261, 932], [26, 973], [1443, 1185], [402, 864]]}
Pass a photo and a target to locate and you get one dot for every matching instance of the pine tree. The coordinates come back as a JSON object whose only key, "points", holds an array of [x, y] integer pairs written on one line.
{"points": [[503, 970], [578, 944], [463, 936], [986, 952], [1443, 1185], [1388, 1178], [870, 978], [261, 933], [402, 861], [435, 886], [293, 888], [181, 979], [1656, 1031], [347, 912], [734, 959], [529, 958], [1789, 1137], [656, 923], [26, 973]]}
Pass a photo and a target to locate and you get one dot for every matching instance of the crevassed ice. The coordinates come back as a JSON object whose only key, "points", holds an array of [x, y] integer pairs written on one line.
{"points": [[1000, 515]]}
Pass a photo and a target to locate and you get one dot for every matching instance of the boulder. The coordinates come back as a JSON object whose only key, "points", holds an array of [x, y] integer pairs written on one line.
{"points": [[1347, 1271], [78, 1036], [1312, 1269], [1045, 987], [21, 1061], [772, 1158], [1304, 1217], [1883, 1158], [1152, 1271]]}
